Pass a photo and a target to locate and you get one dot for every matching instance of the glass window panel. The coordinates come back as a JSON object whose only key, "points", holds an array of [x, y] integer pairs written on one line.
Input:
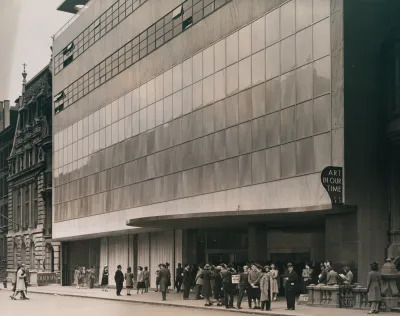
{"points": [[258, 67], [304, 47], [219, 85], [151, 116], [128, 103], [232, 48], [121, 108], [177, 77], [197, 67], [143, 96], [287, 22], [114, 111], [322, 76], [159, 112], [187, 103], [304, 84], [258, 35], [245, 41], [208, 90], [219, 55], [197, 94], [121, 130], [288, 89], [321, 9], [177, 104], [102, 118], [272, 61], [96, 121], [143, 120], [151, 91], [96, 142], [303, 13], [114, 133], [90, 123], [168, 109], [159, 87], [135, 100], [90, 142], [108, 114], [245, 73], [102, 138], [232, 79], [288, 58], [85, 126], [273, 95], [208, 61], [168, 82], [128, 126], [135, 124], [187, 73], [322, 39], [304, 119]]}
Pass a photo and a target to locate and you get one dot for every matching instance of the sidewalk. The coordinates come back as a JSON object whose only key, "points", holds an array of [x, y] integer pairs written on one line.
{"points": [[175, 300]]}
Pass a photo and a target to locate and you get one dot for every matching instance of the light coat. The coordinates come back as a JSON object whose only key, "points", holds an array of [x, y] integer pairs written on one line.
{"points": [[274, 281], [20, 286], [374, 286], [265, 286]]}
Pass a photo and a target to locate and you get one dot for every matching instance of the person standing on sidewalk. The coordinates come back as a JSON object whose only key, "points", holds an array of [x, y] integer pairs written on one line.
{"points": [[104, 279], [254, 282], [178, 277], [229, 290], [243, 286], [158, 277], [291, 285], [140, 280], [374, 288], [206, 276], [265, 289], [169, 276], [20, 284], [186, 281], [164, 278], [146, 279], [119, 280], [199, 284], [218, 285], [129, 280], [274, 282]]}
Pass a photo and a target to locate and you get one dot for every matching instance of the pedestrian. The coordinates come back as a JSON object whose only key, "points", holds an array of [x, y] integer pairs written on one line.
{"points": [[119, 280], [26, 279], [84, 277], [254, 278], [374, 288], [158, 277], [291, 284], [169, 276], [140, 280], [265, 289], [229, 290], [218, 285], [129, 280], [274, 282], [146, 279], [77, 273], [20, 284], [14, 282], [347, 277], [164, 278], [178, 277], [104, 279], [332, 278], [243, 285], [186, 281], [91, 273], [199, 284], [306, 277], [206, 276]]}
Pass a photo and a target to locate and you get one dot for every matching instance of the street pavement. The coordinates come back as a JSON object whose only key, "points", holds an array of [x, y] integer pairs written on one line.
{"points": [[57, 300]]}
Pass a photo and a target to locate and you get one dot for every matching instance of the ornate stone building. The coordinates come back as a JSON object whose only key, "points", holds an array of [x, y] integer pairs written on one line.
{"points": [[29, 191], [8, 119]]}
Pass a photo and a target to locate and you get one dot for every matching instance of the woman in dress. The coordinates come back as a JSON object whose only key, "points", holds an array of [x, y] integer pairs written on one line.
{"points": [[374, 288], [140, 280], [274, 282], [206, 276], [129, 280], [104, 278], [146, 278], [265, 289], [20, 284]]}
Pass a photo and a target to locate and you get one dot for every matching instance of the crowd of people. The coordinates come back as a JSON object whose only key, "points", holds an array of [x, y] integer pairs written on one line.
{"points": [[85, 277]]}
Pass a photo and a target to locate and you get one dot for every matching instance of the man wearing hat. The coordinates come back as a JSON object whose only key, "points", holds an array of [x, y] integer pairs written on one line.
{"points": [[164, 280], [291, 285]]}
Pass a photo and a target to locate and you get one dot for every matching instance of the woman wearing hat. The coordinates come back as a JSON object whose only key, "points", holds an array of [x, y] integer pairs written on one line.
{"points": [[374, 288], [265, 289], [104, 278], [206, 276]]}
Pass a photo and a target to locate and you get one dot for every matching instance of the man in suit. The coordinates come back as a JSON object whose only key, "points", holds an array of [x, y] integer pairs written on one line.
{"points": [[178, 277], [164, 280], [187, 281], [119, 280], [291, 285]]}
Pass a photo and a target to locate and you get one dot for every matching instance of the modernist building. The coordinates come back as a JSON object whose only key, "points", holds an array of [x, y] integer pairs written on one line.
{"points": [[29, 184], [8, 119], [196, 131]]}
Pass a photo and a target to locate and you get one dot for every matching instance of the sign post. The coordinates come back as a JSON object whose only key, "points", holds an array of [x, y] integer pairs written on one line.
{"points": [[332, 180]]}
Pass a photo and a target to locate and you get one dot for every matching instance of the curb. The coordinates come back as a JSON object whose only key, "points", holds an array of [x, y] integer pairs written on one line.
{"points": [[250, 312]]}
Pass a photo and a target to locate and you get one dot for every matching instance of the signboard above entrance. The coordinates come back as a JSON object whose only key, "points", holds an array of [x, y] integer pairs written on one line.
{"points": [[332, 180]]}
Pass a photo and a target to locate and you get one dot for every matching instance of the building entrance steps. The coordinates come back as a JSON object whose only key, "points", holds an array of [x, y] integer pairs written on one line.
{"points": [[176, 300]]}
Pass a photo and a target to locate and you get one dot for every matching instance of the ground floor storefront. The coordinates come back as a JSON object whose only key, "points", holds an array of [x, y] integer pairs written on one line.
{"points": [[295, 237]]}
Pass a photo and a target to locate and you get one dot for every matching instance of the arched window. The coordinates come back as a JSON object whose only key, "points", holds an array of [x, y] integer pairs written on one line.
{"points": [[23, 252], [49, 263], [32, 256]]}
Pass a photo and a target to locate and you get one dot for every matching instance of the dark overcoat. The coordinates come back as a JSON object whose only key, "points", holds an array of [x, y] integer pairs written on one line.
{"points": [[164, 279], [206, 275]]}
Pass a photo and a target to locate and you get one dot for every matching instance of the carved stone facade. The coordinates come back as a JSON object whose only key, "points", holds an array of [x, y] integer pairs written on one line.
{"points": [[29, 190]]}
